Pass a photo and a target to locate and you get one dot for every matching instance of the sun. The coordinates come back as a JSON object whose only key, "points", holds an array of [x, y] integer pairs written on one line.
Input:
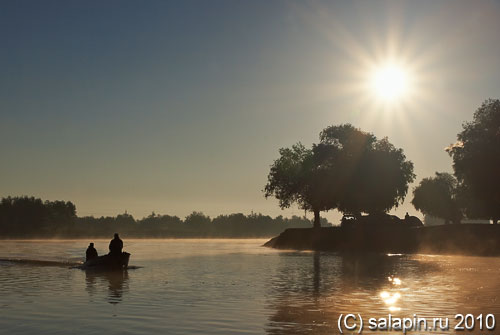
{"points": [[389, 82]]}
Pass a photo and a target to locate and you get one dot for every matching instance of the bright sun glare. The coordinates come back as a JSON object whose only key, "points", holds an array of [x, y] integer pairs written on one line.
{"points": [[389, 82]]}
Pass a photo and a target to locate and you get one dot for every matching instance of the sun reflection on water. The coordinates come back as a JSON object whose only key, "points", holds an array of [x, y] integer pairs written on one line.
{"points": [[394, 280], [390, 299]]}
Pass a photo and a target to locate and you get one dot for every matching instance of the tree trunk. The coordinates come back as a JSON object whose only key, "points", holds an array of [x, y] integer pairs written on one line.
{"points": [[317, 223]]}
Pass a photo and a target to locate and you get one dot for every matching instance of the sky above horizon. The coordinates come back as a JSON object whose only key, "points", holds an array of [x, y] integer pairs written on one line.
{"points": [[175, 106]]}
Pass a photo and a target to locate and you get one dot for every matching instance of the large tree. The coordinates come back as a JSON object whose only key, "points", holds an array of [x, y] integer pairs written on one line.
{"points": [[476, 161], [369, 175], [348, 169], [437, 196]]}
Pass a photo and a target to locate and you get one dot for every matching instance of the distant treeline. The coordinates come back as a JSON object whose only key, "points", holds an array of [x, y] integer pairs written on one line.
{"points": [[29, 217]]}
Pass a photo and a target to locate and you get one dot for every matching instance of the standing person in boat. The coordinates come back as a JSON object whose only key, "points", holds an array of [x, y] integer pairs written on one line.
{"points": [[116, 246], [91, 253]]}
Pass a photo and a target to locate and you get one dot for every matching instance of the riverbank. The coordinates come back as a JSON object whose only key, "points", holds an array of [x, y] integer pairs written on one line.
{"points": [[465, 239]]}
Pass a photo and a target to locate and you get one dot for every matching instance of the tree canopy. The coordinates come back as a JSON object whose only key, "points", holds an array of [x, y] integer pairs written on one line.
{"points": [[297, 177], [370, 175], [437, 196], [22, 215], [476, 161], [30, 217], [349, 170]]}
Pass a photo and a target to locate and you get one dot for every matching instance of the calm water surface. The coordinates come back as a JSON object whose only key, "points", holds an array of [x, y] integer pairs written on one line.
{"points": [[231, 287]]}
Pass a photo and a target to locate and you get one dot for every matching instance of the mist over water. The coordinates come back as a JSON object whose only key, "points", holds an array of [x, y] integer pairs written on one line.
{"points": [[230, 287]]}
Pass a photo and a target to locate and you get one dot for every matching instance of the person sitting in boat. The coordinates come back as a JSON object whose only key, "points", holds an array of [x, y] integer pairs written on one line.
{"points": [[91, 253], [116, 246]]}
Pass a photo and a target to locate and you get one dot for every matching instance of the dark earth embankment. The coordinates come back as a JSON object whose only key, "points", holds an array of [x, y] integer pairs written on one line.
{"points": [[467, 239]]}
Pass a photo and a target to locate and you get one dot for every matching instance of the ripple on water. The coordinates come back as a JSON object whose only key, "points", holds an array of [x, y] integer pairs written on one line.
{"points": [[232, 287]]}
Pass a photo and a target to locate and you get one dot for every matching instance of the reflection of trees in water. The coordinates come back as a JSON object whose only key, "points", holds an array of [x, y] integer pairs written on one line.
{"points": [[316, 274], [116, 281], [297, 294], [310, 290]]}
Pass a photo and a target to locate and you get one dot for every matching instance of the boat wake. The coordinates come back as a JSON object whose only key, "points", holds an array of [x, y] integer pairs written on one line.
{"points": [[83, 267], [134, 267], [62, 263], [38, 262]]}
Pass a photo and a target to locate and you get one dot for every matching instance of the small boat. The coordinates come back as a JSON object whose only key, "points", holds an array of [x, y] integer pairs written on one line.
{"points": [[108, 262]]}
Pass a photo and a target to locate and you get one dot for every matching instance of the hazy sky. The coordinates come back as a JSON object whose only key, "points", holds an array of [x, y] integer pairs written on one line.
{"points": [[175, 106]]}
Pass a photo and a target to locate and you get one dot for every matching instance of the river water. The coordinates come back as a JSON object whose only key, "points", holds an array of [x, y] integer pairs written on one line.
{"points": [[234, 287]]}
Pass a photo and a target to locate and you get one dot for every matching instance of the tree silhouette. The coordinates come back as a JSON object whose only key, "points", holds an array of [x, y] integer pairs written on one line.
{"points": [[29, 217], [369, 175], [348, 169], [197, 218], [344, 148], [296, 177], [437, 196], [476, 161], [21, 216]]}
